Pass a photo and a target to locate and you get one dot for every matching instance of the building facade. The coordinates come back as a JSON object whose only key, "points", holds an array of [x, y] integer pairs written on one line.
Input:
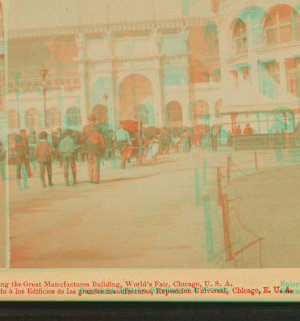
{"points": [[228, 62]]}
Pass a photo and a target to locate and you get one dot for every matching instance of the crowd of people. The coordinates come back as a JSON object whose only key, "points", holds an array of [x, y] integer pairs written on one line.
{"points": [[94, 145]]}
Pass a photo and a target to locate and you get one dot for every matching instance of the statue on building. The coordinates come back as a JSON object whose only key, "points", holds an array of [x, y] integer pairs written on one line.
{"points": [[156, 37], [80, 40], [109, 37]]}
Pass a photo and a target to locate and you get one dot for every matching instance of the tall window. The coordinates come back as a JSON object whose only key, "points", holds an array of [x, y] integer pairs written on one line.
{"points": [[211, 40], [282, 25], [200, 109], [12, 119], [174, 112], [73, 117], [31, 119], [293, 74], [240, 36]]}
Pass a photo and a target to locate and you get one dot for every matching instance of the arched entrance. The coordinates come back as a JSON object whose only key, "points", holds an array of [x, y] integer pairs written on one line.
{"points": [[173, 114], [135, 90]]}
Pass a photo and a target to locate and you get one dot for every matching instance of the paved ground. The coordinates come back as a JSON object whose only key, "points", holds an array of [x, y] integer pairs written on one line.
{"points": [[268, 210], [140, 217]]}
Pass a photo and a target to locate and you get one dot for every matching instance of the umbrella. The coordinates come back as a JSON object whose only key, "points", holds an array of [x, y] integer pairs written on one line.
{"points": [[152, 130]]}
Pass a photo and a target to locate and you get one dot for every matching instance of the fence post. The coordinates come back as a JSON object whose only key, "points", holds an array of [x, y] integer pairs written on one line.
{"points": [[219, 186], [228, 169], [208, 229], [197, 188], [255, 159], [227, 243]]}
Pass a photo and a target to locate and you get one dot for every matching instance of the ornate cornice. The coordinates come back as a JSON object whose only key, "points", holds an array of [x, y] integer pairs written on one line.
{"points": [[106, 28]]}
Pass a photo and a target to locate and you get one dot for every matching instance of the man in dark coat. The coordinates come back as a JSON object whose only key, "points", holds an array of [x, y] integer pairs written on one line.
{"points": [[67, 150], [95, 148], [20, 154], [43, 153]]}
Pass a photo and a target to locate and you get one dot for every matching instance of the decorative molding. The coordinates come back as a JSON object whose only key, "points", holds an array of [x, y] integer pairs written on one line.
{"points": [[104, 28]]}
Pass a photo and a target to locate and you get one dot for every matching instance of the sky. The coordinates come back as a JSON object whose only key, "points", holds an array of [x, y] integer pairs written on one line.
{"points": [[35, 14]]}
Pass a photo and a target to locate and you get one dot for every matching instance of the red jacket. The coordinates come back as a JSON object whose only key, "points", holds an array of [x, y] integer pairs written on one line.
{"points": [[43, 151]]}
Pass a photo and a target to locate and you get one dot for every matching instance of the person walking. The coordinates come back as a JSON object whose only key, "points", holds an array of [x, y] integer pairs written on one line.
{"points": [[86, 131], [23, 133], [95, 148], [20, 160], [186, 141], [32, 144], [43, 153], [67, 150], [93, 145], [55, 141]]}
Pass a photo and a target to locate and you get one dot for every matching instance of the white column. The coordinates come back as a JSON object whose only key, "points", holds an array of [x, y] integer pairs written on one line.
{"points": [[282, 78], [83, 102], [111, 103], [184, 34], [225, 49], [158, 94], [254, 71], [158, 90]]}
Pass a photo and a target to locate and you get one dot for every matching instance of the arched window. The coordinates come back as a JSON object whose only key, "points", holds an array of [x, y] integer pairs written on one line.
{"points": [[281, 25], [240, 36], [217, 108], [12, 119], [31, 119], [200, 110], [143, 114], [211, 40], [53, 118], [174, 113], [73, 117]]}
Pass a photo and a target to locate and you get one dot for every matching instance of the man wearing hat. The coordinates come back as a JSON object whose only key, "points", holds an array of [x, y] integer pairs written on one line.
{"points": [[67, 150], [43, 153], [86, 131], [94, 145], [20, 160]]}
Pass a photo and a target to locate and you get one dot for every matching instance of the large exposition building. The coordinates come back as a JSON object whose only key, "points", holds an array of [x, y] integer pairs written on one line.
{"points": [[166, 63]]}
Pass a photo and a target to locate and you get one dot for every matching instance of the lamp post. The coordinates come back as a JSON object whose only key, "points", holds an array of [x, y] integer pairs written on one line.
{"points": [[105, 97], [17, 77], [44, 73]]}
